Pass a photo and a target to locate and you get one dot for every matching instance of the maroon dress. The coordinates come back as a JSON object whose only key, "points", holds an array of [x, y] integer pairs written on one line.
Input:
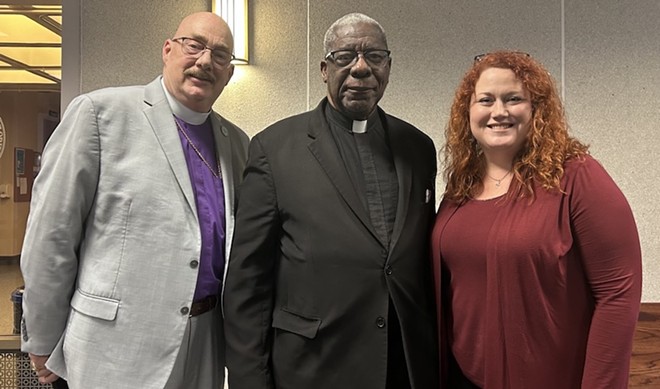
{"points": [[541, 294]]}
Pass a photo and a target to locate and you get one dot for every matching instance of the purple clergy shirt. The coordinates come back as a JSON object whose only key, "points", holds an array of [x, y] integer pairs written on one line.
{"points": [[209, 199]]}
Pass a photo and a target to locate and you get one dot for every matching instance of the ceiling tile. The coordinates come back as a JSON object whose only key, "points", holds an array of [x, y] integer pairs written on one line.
{"points": [[21, 29], [34, 56], [14, 76]]}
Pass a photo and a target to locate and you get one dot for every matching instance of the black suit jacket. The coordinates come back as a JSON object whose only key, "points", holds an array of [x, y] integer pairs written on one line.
{"points": [[308, 287]]}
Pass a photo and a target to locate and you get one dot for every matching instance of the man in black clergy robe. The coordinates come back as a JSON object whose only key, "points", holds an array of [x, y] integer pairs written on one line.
{"points": [[329, 282]]}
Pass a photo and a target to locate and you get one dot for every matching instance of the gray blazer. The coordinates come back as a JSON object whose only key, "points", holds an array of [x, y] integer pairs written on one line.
{"points": [[112, 230]]}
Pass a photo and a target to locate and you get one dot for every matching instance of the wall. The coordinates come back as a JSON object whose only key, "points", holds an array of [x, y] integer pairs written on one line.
{"points": [[604, 54], [21, 113]]}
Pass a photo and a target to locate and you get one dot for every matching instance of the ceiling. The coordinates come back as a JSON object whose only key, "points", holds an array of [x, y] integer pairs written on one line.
{"points": [[31, 45]]}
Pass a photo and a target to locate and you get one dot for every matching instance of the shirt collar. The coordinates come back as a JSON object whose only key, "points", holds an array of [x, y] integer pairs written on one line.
{"points": [[181, 111], [349, 125]]}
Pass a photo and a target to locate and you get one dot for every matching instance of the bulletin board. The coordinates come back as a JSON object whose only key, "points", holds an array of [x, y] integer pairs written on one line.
{"points": [[27, 163]]}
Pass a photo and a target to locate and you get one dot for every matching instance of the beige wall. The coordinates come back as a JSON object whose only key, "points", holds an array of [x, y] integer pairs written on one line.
{"points": [[21, 113], [604, 54]]}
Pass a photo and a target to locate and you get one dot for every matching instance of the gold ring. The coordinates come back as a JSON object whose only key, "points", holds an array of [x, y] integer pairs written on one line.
{"points": [[35, 368]]}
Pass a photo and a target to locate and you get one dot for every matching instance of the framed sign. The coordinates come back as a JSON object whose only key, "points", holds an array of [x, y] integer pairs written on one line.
{"points": [[20, 161], [25, 161]]}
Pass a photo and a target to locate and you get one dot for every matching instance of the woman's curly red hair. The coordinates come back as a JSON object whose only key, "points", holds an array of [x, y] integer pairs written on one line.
{"points": [[548, 145]]}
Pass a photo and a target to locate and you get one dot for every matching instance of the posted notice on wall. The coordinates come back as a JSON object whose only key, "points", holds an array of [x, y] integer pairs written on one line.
{"points": [[22, 185]]}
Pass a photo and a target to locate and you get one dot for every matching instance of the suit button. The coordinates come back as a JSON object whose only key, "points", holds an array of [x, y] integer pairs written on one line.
{"points": [[194, 264], [380, 322], [185, 310], [388, 270], [383, 253]]}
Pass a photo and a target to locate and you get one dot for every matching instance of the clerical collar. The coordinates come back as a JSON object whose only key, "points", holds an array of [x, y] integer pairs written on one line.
{"points": [[181, 111], [359, 126], [347, 124]]}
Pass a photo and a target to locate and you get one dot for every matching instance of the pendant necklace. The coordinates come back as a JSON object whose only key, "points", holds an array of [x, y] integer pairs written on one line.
{"points": [[215, 173], [499, 182]]}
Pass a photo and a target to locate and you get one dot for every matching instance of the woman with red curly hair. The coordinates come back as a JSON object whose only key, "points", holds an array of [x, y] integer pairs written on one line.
{"points": [[535, 249]]}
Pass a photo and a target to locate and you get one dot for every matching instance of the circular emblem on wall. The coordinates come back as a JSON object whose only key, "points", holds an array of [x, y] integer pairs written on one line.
{"points": [[3, 137]]}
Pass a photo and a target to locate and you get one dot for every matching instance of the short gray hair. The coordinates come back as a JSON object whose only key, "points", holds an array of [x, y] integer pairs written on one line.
{"points": [[346, 20]]}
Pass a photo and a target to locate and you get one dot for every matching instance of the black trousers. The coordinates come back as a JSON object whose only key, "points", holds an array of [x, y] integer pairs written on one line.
{"points": [[397, 369]]}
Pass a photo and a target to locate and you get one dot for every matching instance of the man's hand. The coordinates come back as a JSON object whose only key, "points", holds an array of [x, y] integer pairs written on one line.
{"points": [[39, 366]]}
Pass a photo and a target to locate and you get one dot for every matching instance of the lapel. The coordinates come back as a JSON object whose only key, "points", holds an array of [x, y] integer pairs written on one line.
{"points": [[223, 151], [398, 141], [324, 149], [160, 117], [445, 212]]}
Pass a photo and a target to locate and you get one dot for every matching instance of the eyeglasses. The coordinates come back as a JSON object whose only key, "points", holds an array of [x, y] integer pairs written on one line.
{"points": [[344, 58], [479, 57], [194, 48]]}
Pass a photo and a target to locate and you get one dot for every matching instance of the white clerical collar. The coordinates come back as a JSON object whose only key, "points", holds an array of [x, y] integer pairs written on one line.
{"points": [[182, 112], [359, 126]]}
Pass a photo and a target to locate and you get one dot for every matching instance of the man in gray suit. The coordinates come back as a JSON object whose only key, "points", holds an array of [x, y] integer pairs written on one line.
{"points": [[329, 283], [130, 225]]}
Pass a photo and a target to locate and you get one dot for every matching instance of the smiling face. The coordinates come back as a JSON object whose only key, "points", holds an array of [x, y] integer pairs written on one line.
{"points": [[197, 82], [355, 90], [500, 112]]}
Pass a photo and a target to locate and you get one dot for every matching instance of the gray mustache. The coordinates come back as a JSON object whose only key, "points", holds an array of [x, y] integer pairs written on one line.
{"points": [[201, 75]]}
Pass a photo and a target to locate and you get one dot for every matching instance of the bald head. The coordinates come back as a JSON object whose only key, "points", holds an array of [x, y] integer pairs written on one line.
{"points": [[206, 21]]}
